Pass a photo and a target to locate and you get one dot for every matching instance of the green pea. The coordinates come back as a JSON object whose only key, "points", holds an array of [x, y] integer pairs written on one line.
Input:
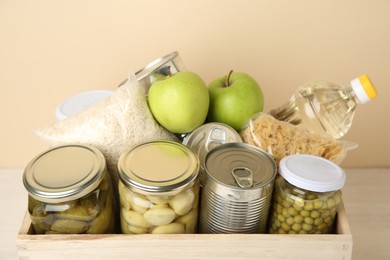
{"points": [[327, 219], [322, 227], [318, 204], [311, 197], [298, 219], [281, 218], [289, 200], [307, 227], [292, 211], [315, 214], [309, 220], [296, 227], [297, 207], [286, 204], [318, 221], [331, 203], [285, 213], [308, 206], [285, 226], [325, 214], [305, 213], [290, 220]]}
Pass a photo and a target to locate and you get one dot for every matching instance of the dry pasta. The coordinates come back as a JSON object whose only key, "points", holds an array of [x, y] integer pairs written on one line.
{"points": [[280, 139]]}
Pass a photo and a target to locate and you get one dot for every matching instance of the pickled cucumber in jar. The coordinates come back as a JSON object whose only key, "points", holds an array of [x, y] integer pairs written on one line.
{"points": [[92, 214], [65, 197]]}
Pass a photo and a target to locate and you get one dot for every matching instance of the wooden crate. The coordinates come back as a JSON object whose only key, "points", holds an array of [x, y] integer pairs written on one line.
{"points": [[184, 246]]}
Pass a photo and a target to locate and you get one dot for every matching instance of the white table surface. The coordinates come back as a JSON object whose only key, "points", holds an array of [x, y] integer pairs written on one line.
{"points": [[366, 198]]}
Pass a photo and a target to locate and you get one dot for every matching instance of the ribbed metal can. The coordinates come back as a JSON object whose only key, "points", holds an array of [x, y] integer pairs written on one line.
{"points": [[237, 189]]}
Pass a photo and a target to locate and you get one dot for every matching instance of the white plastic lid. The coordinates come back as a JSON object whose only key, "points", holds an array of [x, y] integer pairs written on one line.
{"points": [[80, 102], [312, 173]]}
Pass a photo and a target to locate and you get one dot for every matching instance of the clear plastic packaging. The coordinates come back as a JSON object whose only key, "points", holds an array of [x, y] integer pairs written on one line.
{"points": [[324, 107], [281, 139]]}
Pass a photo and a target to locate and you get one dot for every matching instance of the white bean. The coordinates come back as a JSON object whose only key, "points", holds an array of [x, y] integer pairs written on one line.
{"points": [[182, 202], [172, 228], [124, 226], [158, 199], [159, 206], [124, 196], [137, 230], [159, 216], [189, 220], [139, 202], [134, 218]]}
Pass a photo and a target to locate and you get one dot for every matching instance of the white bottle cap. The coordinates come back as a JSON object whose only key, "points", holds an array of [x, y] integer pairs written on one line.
{"points": [[312, 173], [79, 102], [363, 88]]}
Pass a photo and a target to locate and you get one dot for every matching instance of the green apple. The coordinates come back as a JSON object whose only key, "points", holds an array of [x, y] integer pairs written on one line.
{"points": [[234, 98], [179, 102]]}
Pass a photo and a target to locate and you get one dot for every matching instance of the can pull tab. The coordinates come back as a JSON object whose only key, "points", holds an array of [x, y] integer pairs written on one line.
{"points": [[216, 137], [243, 177]]}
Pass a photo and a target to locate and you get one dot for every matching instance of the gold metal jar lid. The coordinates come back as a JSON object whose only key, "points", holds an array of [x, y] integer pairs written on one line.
{"points": [[160, 166], [64, 173]]}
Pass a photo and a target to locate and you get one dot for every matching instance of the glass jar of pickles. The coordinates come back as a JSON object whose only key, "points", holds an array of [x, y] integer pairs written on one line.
{"points": [[68, 192], [158, 189], [306, 197]]}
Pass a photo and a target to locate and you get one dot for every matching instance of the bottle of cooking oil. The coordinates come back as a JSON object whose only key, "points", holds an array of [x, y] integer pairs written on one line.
{"points": [[324, 107]]}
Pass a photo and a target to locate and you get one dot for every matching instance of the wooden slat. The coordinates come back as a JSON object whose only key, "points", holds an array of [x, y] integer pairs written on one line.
{"points": [[195, 246]]}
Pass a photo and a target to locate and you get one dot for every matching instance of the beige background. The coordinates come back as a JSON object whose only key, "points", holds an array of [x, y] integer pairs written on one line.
{"points": [[50, 50]]}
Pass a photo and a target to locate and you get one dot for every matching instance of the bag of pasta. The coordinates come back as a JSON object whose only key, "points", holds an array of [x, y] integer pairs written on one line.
{"points": [[280, 139]]}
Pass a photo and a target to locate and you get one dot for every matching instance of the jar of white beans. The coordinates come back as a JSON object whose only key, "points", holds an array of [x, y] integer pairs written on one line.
{"points": [[159, 189]]}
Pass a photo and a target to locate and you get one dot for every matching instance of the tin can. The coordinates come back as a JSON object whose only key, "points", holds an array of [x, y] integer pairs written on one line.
{"points": [[170, 63], [237, 192], [208, 136], [159, 189], [307, 195], [69, 192]]}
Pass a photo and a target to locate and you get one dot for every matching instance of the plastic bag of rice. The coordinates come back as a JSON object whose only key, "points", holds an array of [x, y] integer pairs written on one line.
{"points": [[112, 125]]}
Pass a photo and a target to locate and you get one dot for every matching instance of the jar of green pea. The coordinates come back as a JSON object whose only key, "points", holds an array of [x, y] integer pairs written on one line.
{"points": [[306, 196]]}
